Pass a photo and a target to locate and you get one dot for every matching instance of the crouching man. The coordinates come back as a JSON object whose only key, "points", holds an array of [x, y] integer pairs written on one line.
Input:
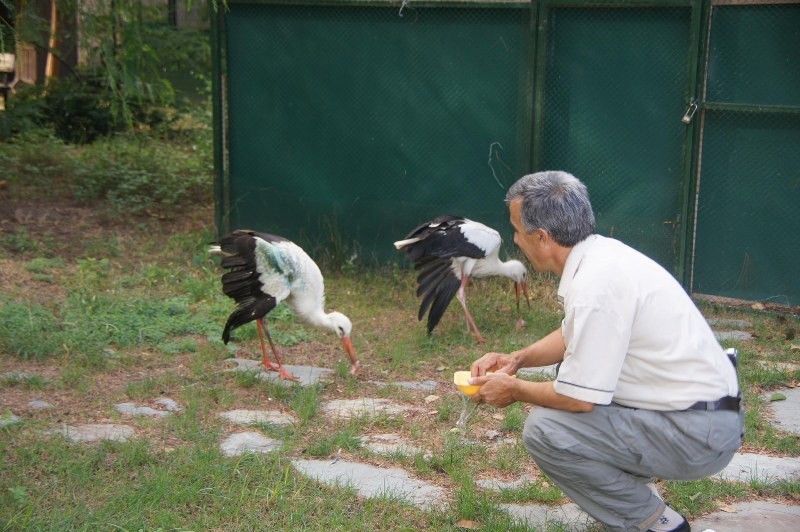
{"points": [[644, 391]]}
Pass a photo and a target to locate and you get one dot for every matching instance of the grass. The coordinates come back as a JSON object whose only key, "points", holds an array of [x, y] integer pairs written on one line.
{"points": [[132, 311]]}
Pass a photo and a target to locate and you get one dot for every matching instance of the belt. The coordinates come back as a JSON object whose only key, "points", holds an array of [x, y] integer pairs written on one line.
{"points": [[726, 403]]}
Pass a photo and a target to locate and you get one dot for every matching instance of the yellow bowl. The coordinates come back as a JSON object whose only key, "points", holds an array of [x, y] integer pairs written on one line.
{"points": [[461, 380]]}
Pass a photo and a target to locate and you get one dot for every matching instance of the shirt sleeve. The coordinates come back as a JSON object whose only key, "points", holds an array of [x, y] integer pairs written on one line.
{"points": [[596, 342]]}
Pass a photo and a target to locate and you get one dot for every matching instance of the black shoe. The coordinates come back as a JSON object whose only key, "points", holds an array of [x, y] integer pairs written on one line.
{"points": [[683, 527]]}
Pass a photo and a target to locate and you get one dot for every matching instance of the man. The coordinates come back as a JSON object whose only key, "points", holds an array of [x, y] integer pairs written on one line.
{"points": [[643, 390]]}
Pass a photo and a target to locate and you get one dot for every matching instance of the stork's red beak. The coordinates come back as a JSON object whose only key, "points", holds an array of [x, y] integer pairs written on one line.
{"points": [[355, 365], [524, 287]]}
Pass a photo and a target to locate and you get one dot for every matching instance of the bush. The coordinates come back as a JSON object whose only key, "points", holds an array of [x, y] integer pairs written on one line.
{"points": [[140, 177], [79, 108], [25, 111]]}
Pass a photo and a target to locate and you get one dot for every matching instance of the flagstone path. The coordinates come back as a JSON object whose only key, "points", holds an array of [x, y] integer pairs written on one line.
{"points": [[371, 481]]}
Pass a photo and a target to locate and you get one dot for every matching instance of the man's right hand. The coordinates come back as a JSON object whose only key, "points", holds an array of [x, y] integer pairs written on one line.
{"points": [[494, 362]]}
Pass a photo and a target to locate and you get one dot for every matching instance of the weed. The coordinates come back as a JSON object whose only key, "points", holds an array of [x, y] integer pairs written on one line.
{"points": [[305, 402], [329, 444], [30, 331], [25, 381], [513, 418]]}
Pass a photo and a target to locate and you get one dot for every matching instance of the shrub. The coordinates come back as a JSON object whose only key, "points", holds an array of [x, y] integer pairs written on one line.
{"points": [[139, 177]]}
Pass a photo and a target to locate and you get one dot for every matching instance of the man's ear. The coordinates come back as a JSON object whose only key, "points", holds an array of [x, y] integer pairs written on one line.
{"points": [[541, 237]]}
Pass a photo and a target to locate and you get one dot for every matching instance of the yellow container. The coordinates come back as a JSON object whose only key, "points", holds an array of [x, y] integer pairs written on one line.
{"points": [[461, 380]]}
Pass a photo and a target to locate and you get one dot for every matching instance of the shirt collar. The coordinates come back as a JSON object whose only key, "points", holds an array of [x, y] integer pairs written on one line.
{"points": [[573, 263]]}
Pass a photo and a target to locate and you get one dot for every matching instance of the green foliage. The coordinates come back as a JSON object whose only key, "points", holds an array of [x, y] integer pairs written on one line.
{"points": [[25, 112], [80, 108], [35, 161], [136, 56], [329, 444], [29, 330], [137, 177]]}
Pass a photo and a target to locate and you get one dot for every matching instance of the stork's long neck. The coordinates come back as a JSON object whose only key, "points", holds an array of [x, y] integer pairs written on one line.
{"points": [[507, 268], [318, 318], [493, 266]]}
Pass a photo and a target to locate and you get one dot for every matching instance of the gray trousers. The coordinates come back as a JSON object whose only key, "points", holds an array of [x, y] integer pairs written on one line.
{"points": [[604, 459]]}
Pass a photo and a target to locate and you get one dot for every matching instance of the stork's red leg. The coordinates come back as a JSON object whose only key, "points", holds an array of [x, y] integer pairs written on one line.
{"points": [[284, 374], [461, 295], [267, 364]]}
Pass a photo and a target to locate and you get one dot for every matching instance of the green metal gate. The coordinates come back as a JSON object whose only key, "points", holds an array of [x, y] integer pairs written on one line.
{"points": [[343, 124], [613, 81], [748, 210]]}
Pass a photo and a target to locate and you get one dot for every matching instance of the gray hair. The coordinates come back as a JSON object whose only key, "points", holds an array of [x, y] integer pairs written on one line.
{"points": [[557, 202]]}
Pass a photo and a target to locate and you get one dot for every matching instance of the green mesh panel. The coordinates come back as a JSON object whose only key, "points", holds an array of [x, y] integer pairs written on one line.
{"points": [[347, 125], [352, 125], [748, 218], [615, 90]]}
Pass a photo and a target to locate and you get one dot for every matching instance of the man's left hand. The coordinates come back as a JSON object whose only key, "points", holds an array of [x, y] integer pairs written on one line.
{"points": [[497, 389]]}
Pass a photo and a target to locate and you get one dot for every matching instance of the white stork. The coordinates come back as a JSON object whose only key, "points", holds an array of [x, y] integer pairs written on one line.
{"points": [[449, 250], [262, 271]]}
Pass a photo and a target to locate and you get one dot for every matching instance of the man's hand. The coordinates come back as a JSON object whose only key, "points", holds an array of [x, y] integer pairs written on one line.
{"points": [[494, 362], [496, 389]]}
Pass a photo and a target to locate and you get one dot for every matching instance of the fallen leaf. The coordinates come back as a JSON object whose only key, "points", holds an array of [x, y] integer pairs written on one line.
{"points": [[466, 523], [498, 416], [431, 398], [777, 397], [728, 508], [491, 435]]}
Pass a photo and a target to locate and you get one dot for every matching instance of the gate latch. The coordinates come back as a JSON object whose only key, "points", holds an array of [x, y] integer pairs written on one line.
{"points": [[689, 114]]}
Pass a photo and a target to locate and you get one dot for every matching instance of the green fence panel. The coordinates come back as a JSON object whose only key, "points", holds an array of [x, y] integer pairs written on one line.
{"points": [[614, 90], [350, 125], [342, 125], [748, 216]]}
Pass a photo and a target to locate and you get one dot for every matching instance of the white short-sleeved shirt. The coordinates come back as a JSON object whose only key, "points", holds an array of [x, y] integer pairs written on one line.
{"points": [[633, 335]]}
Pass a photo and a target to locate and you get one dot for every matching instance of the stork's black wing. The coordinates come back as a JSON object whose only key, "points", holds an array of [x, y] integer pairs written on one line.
{"points": [[241, 280]]}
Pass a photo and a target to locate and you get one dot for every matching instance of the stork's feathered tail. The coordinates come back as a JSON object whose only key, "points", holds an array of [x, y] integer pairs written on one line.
{"points": [[437, 285]]}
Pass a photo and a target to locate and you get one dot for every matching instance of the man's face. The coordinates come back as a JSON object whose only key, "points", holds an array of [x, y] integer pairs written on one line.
{"points": [[529, 243]]}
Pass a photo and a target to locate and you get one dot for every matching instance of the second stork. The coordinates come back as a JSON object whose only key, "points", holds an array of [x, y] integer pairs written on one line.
{"points": [[447, 251]]}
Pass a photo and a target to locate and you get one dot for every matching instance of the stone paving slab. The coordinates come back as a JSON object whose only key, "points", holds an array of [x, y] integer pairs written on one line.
{"points": [[390, 444], [306, 375], [417, 386], [93, 432], [750, 517], [248, 417], [132, 410], [497, 485], [371, 481], [8, 419], [731, 323], [538, 516], [786, 413], [739, 336], [745, 467], [350, 408], [248, 442]]}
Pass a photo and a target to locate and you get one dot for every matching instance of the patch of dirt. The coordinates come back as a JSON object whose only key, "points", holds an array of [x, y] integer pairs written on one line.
{"points": [[18, 282]]}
